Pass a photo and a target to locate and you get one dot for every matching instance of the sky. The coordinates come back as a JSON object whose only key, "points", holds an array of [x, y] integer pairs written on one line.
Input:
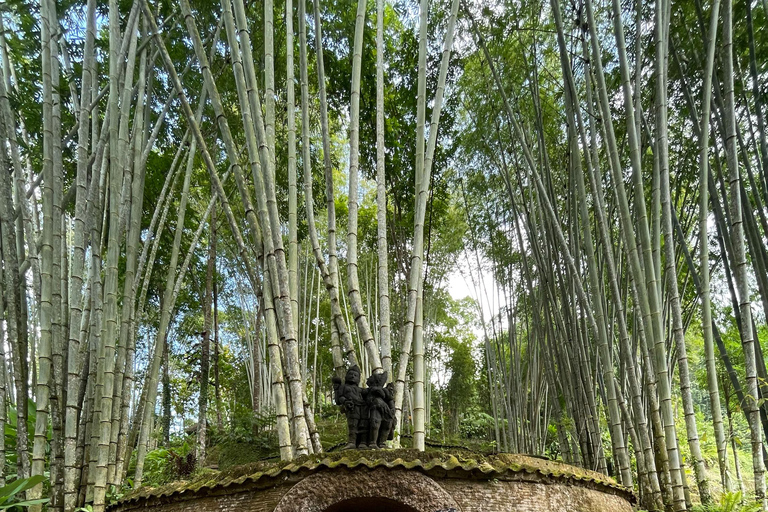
{"points": [[483, 291]]}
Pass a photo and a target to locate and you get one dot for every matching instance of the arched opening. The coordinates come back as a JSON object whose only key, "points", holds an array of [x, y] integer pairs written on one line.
{"points": [[369, 505], [377, 490]]}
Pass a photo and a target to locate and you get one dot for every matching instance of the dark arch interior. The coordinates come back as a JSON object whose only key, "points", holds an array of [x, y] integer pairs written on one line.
{"points": [[370, 505]]}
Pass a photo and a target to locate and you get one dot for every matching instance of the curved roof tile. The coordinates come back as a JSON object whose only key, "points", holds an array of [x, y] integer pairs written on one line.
{"points": [[475, 465]]}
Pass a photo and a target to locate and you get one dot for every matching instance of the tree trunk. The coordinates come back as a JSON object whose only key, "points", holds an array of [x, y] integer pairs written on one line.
{"points": [[739, 259], [48, 253], [385, 344], [202, 422], [166, 307], [423, 168], [706, 307]]}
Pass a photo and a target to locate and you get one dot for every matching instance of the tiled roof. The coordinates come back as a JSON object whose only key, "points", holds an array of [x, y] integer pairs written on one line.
{"points": [[454, 463]]}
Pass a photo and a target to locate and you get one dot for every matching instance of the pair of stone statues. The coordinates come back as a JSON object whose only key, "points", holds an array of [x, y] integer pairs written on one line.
{"points": [[370, 411]]}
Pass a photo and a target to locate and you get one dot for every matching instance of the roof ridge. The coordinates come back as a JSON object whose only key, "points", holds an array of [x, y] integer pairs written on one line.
{"points": [[498, 464]]}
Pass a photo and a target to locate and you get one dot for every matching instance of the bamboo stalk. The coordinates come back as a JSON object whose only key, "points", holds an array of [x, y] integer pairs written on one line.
{"points": [[739, 259]]}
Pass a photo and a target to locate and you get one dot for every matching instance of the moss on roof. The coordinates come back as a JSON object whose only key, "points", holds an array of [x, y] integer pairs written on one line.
{"points": [[432, 461]]}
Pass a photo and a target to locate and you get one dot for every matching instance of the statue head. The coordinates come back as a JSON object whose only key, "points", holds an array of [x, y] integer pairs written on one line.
{"points": [[377, 380], [353, 376]]}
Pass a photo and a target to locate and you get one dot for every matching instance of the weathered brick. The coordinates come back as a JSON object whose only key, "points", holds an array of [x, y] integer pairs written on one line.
{"points": [[378, 489]]}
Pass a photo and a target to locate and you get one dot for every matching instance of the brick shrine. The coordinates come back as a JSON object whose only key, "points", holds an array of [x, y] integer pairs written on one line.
{"points": [[392, 481]]}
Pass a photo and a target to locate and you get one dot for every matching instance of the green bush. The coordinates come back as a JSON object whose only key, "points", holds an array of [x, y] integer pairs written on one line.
{"points": [[8, 493], [731, 502], [164, 465], [475, 424]]}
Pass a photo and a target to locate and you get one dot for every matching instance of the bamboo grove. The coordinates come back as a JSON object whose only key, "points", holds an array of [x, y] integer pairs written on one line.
{"points": [[251, 197]]}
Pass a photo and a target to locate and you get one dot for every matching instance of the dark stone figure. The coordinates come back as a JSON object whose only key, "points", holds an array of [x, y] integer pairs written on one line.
{"points": [[390, 398], [370, 412], [381, 410], [352, 400]]}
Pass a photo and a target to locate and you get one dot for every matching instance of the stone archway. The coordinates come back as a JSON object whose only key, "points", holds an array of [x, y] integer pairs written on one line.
{"points": [[378, 490]]}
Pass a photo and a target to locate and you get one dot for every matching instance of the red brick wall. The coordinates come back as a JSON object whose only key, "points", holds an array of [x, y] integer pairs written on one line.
{"points": [[505, 496], [446, 492], [319, 491]]}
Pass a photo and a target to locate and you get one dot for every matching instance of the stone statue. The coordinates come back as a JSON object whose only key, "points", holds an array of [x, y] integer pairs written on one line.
{"points": [[390, 433], [370, 412], [381, 410], [352, 400]]}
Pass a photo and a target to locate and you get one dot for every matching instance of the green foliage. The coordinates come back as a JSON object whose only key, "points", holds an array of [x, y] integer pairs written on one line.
{"points": [[182, 466], [249, 427], [156, 468], [11, 435], [236, 454], [476, 424], [8, 493], [730, 502], [251, 437], [166, 465]]}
